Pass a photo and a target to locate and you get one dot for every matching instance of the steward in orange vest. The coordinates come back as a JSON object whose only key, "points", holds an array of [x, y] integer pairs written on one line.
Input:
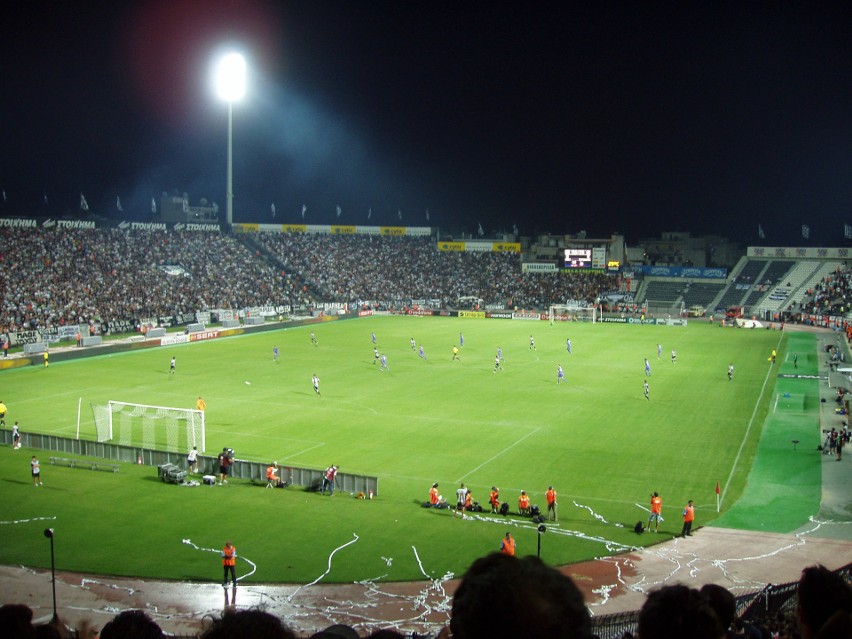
{"points": [[229, 560], [494, 499], [524, 503], [507, 546], [688, 518]]}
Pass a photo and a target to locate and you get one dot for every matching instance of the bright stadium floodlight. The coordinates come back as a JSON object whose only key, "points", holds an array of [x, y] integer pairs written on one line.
{"points": [[230, 78]]}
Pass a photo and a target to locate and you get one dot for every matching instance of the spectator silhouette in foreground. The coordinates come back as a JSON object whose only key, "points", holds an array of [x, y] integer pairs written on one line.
{"points": [[131, 624], [247, 623], [504, 596], [336, 631], [677, 612], [723, 603], [16, 621], [824, 604]]}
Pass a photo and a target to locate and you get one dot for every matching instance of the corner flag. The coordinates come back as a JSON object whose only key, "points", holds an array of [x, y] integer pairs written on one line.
{"points": [[718, 492]]}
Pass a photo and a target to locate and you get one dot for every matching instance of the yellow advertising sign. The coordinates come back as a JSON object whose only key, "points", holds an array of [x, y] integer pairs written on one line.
{"points": [[342, 230], [507, 247], [246, 228], [392, 230], [294, 228], [451, 246], [472, 314]]}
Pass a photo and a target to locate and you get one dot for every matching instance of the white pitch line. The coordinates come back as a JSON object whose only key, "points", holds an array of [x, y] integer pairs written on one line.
{"points": [[502, 452], [302, 452]]}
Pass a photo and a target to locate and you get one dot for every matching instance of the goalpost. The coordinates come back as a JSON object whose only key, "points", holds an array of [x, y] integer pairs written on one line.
{"points": [[657, 308], [151, 427], [571, 313]]}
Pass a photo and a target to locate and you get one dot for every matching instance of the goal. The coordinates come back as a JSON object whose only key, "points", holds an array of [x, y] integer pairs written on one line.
{"points": [[660, 308], [571, 313], [150, 427]]}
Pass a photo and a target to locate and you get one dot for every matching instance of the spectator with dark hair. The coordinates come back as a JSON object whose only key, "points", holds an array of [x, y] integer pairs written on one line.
{"points": [[336, 631], [678, 612], [48, 631], [824, 599], [256, 624], [723, 603], [503, 596], [131, 624], [16, 621], [385, 633]]}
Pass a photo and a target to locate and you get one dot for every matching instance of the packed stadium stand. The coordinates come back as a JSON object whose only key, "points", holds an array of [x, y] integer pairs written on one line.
{"points": [[55, 277], [79, 276]]}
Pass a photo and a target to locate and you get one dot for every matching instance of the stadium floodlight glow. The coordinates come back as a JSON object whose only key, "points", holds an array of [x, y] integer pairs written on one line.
{"points": [[230, 79]]}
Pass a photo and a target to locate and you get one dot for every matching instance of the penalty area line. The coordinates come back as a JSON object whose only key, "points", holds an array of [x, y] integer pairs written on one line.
{"points": [[502, 452]]}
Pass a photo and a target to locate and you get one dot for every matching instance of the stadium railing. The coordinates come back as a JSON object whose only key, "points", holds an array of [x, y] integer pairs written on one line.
{"points": [[757, 605], [309, 478]]}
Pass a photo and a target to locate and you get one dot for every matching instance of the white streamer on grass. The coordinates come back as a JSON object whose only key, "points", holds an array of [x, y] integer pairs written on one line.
{"points": [[328, 569], [27, 521], [592, 512]]}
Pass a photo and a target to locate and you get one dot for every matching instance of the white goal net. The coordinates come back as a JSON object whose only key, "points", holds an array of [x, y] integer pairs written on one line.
{"points": [[150, 427], [571, 313], [664, 308]]}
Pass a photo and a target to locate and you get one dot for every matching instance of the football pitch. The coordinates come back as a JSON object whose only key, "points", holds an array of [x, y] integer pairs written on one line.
{"points": [[596, 438]]}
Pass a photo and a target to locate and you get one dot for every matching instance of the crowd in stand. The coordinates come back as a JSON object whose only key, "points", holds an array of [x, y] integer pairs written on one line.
{"points": [[832, 296], [53, 277], [505, 596], [347, 268]]}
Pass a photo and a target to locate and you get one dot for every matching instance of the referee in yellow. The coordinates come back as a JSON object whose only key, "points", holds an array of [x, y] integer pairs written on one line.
{"points": [[200, 404]]}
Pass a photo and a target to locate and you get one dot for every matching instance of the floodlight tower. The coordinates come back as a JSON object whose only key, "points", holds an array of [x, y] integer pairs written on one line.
{"points": [[230, 78]]}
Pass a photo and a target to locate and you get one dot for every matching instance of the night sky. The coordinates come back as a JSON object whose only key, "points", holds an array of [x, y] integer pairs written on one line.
{"points": [[638, 117]]}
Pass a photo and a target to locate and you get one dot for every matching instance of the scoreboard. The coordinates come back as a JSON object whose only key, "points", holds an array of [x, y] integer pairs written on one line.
{"points": [[578, 258]]}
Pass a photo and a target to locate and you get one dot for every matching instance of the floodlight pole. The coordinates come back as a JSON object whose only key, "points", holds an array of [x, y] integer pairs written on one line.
{"points": [[230, 81], [48, 532], [229, 187]]}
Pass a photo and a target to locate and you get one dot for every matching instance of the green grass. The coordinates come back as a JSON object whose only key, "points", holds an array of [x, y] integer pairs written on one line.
{"points": [[596, 439], [784, 488]]}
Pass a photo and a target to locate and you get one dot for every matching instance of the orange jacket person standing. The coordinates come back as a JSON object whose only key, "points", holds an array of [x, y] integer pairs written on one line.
{"points": [[507, 546], [656, 511], [229, 560], [688, 518], [550, 495]]}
